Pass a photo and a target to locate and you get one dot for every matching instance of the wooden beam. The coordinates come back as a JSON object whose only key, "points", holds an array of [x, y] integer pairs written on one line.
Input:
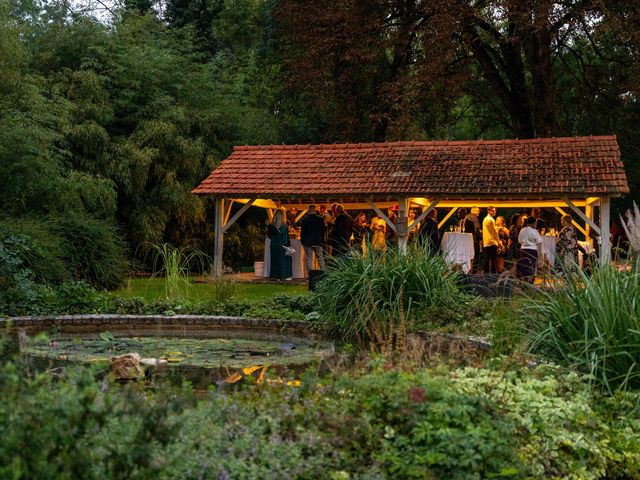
{"points": [[447, 217], [605, 241], [218, 238], [575, 224], [300, 215], [587, 220], [237, 215], [227, 212], [424, 213], [382, 215], [588, 210]]}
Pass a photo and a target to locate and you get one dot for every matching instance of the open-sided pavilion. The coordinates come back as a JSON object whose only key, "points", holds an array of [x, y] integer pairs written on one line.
{"points": [[577, 175]]}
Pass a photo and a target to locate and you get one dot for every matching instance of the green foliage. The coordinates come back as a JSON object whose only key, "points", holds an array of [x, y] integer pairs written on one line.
{"points": [[59, 429], [357, 285], [175, 264], [592, 324], [93, 250], [506, 422]]}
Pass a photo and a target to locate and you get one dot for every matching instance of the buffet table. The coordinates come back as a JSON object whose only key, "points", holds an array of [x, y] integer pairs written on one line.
{"points": [[458, 248]]}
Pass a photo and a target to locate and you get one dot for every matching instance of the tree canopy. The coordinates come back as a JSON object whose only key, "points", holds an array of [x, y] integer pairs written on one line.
{"points": [[112, 111]]}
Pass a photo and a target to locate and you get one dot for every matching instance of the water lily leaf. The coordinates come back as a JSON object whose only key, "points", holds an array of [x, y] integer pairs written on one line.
{"points": [[107, 336]]}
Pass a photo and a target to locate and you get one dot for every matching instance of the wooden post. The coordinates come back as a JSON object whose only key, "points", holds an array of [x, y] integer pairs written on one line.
{"points": [[605, 241], [218, 238], [401, 224], [588, 211]]}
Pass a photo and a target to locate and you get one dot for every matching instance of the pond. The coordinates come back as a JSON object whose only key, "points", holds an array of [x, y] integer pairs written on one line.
{"points": [[201, 349]]}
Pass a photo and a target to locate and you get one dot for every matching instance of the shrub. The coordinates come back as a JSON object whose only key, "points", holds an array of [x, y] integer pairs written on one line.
{"points": [[357, 285], [93, 250], [36, 246], [592, 324], [459, 424]]}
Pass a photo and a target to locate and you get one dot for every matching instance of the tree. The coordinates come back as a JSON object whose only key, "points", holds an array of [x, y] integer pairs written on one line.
{"points": [[396, 57]]}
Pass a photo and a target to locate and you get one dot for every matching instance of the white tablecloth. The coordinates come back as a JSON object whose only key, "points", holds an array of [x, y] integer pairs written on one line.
{"points": [[298, 266], [458, 248], [549, 248]]}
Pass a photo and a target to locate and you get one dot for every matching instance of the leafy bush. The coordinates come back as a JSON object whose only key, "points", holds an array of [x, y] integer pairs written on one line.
{"points": [[592, 324], [93, 250], [462, 424], [357, 285], [38, 249]]}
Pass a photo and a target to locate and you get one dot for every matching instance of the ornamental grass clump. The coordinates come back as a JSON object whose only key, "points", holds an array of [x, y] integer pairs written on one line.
{"points": [[359, 288], [592, 324], [175, 264]]}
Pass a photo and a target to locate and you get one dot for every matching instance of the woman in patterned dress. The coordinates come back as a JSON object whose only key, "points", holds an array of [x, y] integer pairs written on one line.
{"points": [[567, 246]]}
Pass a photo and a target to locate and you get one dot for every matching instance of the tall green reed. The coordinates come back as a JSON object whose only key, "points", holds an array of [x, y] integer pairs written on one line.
{"points": [[175, 264], [591, 324], [358, 285]]}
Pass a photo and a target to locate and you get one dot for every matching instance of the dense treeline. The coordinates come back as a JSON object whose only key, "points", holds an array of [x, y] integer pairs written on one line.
{"points": [[108, 120]]}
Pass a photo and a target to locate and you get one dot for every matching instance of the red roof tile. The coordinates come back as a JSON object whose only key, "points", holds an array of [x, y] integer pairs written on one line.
{"points": [[573, 166]]}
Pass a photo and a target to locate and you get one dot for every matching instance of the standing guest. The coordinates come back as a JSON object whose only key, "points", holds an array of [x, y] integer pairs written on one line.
{"points": [[567, 246], [378, 238], [312, 237], [326, 216], [360, 232], [413, 233], [279, 234], [503, 245], [291, 216], [392, 215], [465, 224], [429, 234], [279, 206], [540, 223], [477, 237], [515, 225], [530, 250], [341, 231], [490, 242]]}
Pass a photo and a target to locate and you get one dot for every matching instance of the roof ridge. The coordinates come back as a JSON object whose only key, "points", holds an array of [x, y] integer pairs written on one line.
{"points": [[419, 143]]}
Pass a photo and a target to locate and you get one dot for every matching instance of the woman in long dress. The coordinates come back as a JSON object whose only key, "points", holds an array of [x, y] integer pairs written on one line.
{"points": [[567, 246], [279, 234], [378, 238]]}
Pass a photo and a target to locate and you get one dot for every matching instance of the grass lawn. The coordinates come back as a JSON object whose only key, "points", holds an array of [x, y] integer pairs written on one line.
{"points": [[153, 289]]}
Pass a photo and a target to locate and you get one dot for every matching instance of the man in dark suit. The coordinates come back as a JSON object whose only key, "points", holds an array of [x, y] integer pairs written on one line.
{"points": [[312, 230], [341, 232], [429, 234]]}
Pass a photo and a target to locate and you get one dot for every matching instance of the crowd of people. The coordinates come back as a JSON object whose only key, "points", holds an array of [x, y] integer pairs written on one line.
{"points": [[518, 247], [496, 246]]}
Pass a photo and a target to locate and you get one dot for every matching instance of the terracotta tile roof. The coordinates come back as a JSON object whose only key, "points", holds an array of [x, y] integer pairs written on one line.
{"points": [[575, 166]]}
